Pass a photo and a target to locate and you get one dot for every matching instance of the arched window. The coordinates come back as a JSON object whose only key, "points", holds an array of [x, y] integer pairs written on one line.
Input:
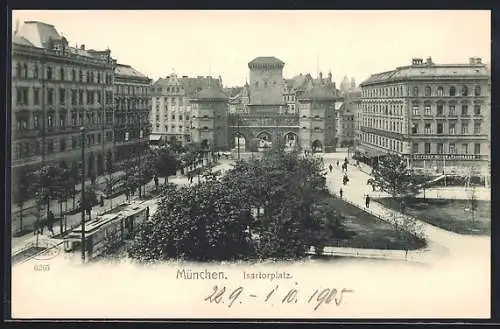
{"points": [[19, 70], [440, 91], [49, 73], [415, 91], [427, 91], [35, 71], [465, 91], [477, 91], [25, 68], [61, 73], [453, 91]]}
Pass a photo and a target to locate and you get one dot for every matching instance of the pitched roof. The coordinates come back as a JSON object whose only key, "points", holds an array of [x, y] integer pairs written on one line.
{"points": [[38, 34], [266, 60], [21, 41], [428, 71], [127, 70], [318, 92], [213, 93]]}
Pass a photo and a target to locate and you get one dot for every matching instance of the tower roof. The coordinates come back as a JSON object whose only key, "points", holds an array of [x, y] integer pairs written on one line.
{"points": [[266, 60], [37, 33]]}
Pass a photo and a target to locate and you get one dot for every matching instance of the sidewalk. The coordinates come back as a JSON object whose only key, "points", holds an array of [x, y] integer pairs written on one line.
{"points": [[18, 243]]}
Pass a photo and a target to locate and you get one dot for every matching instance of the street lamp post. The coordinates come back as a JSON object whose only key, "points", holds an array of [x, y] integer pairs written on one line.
{"points": [[238, 119], [82, 201]]}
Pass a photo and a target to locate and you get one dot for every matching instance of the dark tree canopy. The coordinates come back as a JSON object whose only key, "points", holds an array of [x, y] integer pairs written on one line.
{"points": [[264, 208]]}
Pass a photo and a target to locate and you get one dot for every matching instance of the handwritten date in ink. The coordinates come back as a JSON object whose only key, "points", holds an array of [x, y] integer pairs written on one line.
{"points": [[317, 298]]}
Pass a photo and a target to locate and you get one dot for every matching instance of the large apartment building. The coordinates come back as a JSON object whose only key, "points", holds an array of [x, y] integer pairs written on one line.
{"points": [[132, 106], [171, 106], [56, 89], [435, 115]]}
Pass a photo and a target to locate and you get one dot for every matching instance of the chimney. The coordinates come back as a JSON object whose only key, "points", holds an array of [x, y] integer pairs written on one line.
{"points": [[474, 60], [184, 76], [429, 61], [82, 47], [330, 76], [416, 61]]}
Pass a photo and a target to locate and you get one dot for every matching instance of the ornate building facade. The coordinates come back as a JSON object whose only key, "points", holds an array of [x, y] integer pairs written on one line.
{"points": [[56, 89], [437, 116], [171, 107], [132, 106], [298, 112]]}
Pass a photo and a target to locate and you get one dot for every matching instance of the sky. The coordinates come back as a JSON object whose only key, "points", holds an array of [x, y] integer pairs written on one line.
{"points": [[352, 43]]}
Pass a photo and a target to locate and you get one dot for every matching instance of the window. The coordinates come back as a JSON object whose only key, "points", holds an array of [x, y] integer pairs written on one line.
{"points": [[477, 109], [465, 128], [477, 128], [415, 91], [439, 110], [62, 145], [50, 96], [36, 122], [465, 91], [452, 129], [465, 110], [427, 109], [73, 75], [452, 110], [477, 91], [62, 119], [35, 72], [427, 91], [439, 148], [439, 128], [61, 73], [453, 91], [80, 97], [427, 128], [50, 146], [452, 149], [415, 110], [440, 91], [427, 148], [81, 76], [414, 128], [74, 142], [62, 96], [173, 116], [36, 96], [465, 148], [49, 73], [256, 84], [477, 148]]}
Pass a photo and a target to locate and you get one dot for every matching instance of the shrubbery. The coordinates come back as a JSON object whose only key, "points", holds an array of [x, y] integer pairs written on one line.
{"points": [[261, 209]]}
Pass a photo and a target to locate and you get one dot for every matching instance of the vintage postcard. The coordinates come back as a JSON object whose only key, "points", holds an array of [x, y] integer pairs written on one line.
{"points": [[250, 164]]}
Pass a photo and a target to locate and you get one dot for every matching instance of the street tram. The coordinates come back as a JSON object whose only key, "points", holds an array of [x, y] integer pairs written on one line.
{"points": [[107, 229]]}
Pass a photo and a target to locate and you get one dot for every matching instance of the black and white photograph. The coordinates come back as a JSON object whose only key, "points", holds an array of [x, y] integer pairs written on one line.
{"points": [[298, 164]]}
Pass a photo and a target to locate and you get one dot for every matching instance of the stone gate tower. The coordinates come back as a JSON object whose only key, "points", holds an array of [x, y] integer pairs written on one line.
{"points": [[266, 81]]}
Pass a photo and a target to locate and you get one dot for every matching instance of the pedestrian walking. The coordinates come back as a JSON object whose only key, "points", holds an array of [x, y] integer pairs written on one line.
{"points": [[337, 163], [403, 206], [147, 213], [367, 201], [341, 193], [102, 201], [331, 167]]}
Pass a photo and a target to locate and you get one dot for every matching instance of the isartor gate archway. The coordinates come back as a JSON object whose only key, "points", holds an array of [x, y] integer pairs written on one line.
{"points": [[288, 136]]}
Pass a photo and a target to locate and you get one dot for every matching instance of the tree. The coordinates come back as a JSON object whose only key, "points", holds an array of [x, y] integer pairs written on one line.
{"points": [[22, 193], [163, 162], [47, 184], [393, 176], [64, 190]]}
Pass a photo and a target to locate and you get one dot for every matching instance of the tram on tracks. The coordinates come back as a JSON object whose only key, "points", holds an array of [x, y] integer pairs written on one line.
{"points": [[113, 228]]}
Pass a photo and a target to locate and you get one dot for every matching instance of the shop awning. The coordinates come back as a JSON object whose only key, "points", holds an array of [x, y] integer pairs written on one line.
{"points": [[154, 137]]}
